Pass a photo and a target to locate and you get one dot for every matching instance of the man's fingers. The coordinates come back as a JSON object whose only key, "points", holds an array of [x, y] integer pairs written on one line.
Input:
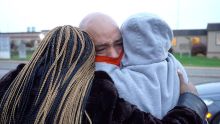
{"points": [[180, 74], [185, 86]]}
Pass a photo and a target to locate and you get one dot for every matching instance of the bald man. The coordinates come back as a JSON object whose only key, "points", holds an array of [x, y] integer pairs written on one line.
{"points": [[105, 34]]}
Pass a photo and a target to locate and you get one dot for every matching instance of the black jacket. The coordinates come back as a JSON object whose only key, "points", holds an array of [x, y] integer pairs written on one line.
{"points": [[105, 107]]}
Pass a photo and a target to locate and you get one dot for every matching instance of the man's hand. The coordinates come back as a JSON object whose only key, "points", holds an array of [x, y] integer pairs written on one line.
{"points": [[186, 87]]}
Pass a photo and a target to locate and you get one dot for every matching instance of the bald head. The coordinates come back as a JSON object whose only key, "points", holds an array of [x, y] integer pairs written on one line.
{"points": [[96, 20], [104, 32]]}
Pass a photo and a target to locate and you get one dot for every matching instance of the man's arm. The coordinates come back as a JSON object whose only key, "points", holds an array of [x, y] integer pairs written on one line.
{"points": [[183, 113]]}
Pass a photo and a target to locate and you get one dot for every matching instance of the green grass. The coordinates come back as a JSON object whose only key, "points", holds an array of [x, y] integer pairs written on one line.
{"points": [[185, 60], [198, 61], [15, 56]]}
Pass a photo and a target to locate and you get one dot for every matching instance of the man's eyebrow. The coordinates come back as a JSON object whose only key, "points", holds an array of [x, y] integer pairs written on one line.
{"points": [[101, 45], [119, 40]]}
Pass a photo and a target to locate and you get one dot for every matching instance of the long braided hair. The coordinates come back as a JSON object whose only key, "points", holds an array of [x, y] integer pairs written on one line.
{"points": [[53, 86]]}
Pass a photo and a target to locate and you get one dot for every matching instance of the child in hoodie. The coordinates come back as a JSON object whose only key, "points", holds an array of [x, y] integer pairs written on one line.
{"points": [[147, 76]]}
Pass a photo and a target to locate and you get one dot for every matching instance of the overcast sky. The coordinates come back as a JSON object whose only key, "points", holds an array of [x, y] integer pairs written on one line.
{"points": [[17, 15]]}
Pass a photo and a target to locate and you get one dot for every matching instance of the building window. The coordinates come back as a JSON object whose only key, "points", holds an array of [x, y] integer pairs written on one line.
{"points": [[195, 40], [218, 38], [174, 42]]}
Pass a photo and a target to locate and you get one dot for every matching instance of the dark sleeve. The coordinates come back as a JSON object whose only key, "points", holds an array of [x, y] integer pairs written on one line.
{"points": [[189, 110], [105, 107], [7, 79]]}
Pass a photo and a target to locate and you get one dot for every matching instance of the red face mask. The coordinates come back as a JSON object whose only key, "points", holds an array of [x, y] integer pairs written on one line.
{"points": [[115, 61]]}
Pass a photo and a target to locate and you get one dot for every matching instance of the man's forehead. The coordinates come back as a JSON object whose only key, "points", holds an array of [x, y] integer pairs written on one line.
{"points": [[102, 35], [105, 41], [103, 31]]}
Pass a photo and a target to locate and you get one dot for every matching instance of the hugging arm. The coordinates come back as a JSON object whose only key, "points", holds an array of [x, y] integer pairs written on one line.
{"points": [[105, 106]]}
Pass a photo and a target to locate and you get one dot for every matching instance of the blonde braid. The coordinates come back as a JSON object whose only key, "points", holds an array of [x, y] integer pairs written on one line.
{"points": [[65, 62]]}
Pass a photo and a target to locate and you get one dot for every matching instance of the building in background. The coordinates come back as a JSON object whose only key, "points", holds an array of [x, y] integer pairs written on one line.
{"points": [[198, 41], [192, 42], [213, 46], [28, 40]]}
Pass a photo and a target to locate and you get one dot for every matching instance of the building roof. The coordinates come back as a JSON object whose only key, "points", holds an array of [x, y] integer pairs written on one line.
{"points": [[190, 32], [213, 27], [8, 33], [21, 35]]}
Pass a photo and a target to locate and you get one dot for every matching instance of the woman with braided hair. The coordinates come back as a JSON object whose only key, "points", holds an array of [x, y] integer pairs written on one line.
{"points": [[54, 85]]}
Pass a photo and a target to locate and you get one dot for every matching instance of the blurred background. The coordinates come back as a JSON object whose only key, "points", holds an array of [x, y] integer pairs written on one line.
{"points": [[195, 24]]}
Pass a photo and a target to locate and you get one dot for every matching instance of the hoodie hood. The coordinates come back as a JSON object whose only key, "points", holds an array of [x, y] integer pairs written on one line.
{"points": [[146, 38]]}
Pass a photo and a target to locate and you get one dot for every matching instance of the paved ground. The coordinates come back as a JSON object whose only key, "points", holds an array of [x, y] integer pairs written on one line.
{"points": [[203, 74], [2, 72], [6, 66], [196, 75]]}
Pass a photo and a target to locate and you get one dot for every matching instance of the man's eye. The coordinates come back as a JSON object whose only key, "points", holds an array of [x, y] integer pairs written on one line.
{"points": [[120, 44], [98, 50]]}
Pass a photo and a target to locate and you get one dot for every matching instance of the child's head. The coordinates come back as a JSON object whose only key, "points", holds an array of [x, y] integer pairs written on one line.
{"points": [[147, 38]]}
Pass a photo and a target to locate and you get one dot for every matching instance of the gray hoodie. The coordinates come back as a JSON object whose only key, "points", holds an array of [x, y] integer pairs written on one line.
{"points": [[148, 76]]}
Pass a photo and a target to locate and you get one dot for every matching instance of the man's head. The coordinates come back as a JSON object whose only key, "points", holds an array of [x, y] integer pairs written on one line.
{"points": [[105, 34]]}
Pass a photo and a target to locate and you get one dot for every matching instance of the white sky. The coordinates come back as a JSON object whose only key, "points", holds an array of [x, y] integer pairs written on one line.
{"points": [[17, 15]]}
